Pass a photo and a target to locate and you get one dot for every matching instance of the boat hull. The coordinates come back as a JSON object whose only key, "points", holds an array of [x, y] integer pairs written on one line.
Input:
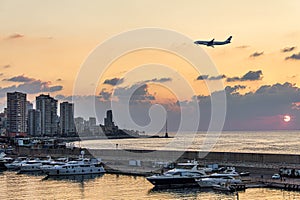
{"points": [[66, 172], [173, 182]]}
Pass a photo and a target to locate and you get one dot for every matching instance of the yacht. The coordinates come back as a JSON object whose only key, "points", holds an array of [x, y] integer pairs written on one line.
{"points": [[184, 174], [78, 167], [229, 171], [217, 180], [34, 165], [16, 164]]}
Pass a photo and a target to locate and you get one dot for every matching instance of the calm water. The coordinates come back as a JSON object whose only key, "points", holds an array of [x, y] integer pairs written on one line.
{"points": [[14, 186], [255, 142]]}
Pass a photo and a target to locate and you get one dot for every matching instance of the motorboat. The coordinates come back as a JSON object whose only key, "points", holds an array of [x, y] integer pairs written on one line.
{"points": [[217, 179], [224, 187], [183, 175], [229, 171], [16, 164], [79, 167], [34, 165], [4, 160]]}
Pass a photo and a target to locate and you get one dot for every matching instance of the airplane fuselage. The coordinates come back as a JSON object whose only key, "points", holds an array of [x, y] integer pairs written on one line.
{"points": [[213, 42]]}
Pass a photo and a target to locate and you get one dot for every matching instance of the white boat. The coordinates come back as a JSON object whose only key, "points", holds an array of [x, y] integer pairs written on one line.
{"points": [[75, 168], [183, 175], [217, 179], [34, 165], [224, 187], [16, 164], [229, 171]]}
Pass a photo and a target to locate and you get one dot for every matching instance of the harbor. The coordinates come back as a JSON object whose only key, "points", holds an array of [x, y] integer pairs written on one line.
{"points": [[130, 162]]}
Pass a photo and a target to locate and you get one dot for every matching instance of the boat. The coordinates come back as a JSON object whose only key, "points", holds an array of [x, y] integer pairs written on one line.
{"points": [[217, 179], [183, 175], [229, 171], [4, 160], [79, 167], [224, 187], [16, 164], [34, 165]]}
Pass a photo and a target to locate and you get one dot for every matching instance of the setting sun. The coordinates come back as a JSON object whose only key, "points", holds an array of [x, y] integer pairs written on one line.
{"points": [[286, 118]]}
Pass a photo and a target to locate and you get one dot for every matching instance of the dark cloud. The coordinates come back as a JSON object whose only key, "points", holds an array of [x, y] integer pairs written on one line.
{"points": [[15, 36], [54, 88], [230, 89], [217, 77], [294, 57], [161, 80], [233, 79], [20, 78], [256, 110], [252, 76], [202, 77], [288, 49], [59, 79], [256, 54], [249, 76], [207, 77], [1, 74], [137, 92], [104, 95], [32, 87], [114, 81]]}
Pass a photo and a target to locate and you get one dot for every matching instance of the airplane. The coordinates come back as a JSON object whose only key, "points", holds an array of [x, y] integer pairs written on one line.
{"points": [[213, 42]]}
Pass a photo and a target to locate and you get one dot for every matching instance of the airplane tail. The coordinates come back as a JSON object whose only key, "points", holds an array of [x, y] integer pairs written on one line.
{"points": [[229, 39]]}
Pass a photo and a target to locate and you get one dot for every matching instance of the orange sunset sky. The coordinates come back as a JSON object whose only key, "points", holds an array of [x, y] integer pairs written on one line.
{"points": [[44, 43]]}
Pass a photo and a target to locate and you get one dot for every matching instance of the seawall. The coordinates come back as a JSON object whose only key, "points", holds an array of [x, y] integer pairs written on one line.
{"points": [[171, 156]]}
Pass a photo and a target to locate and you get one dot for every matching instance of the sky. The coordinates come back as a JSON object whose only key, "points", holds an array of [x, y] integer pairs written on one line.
{"points": [[45, 45]]}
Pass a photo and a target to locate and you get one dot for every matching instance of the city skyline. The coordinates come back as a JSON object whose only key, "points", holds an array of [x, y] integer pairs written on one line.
{"points": [[45, 44]]}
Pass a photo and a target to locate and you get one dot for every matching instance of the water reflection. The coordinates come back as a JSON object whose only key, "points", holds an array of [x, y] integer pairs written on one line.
{"points": [[73, 178]]}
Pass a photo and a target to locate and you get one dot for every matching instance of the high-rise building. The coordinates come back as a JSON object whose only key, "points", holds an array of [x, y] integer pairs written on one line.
{"points": [[79, 124], [108, 121], [28, 106], [49, 119], [16, 114], [67, 126], [34, 122]]}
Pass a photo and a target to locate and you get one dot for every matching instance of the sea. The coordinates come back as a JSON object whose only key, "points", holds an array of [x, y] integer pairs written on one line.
{"points": [[278, 142], [111, 186]]}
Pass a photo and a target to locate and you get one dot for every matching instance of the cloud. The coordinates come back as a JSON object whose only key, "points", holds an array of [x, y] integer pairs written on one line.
{"points": [[59, 79], [207, 77], [256, 54], [249, 76], [288, 49], [242, 47], [137, 92], [202, 77], [161, 80], [32, 87], [217, 77], [293, 57], [15, 36], [1, 74], [6, 66], [230, 89], [114, 81], [104, 95], [20, 78]]}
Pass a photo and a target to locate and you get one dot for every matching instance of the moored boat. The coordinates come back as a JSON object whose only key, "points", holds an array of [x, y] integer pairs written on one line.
{"points": [[183, 175]]}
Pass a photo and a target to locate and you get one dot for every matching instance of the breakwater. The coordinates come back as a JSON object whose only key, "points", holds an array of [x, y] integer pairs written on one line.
{"points": [[170, 156]]}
